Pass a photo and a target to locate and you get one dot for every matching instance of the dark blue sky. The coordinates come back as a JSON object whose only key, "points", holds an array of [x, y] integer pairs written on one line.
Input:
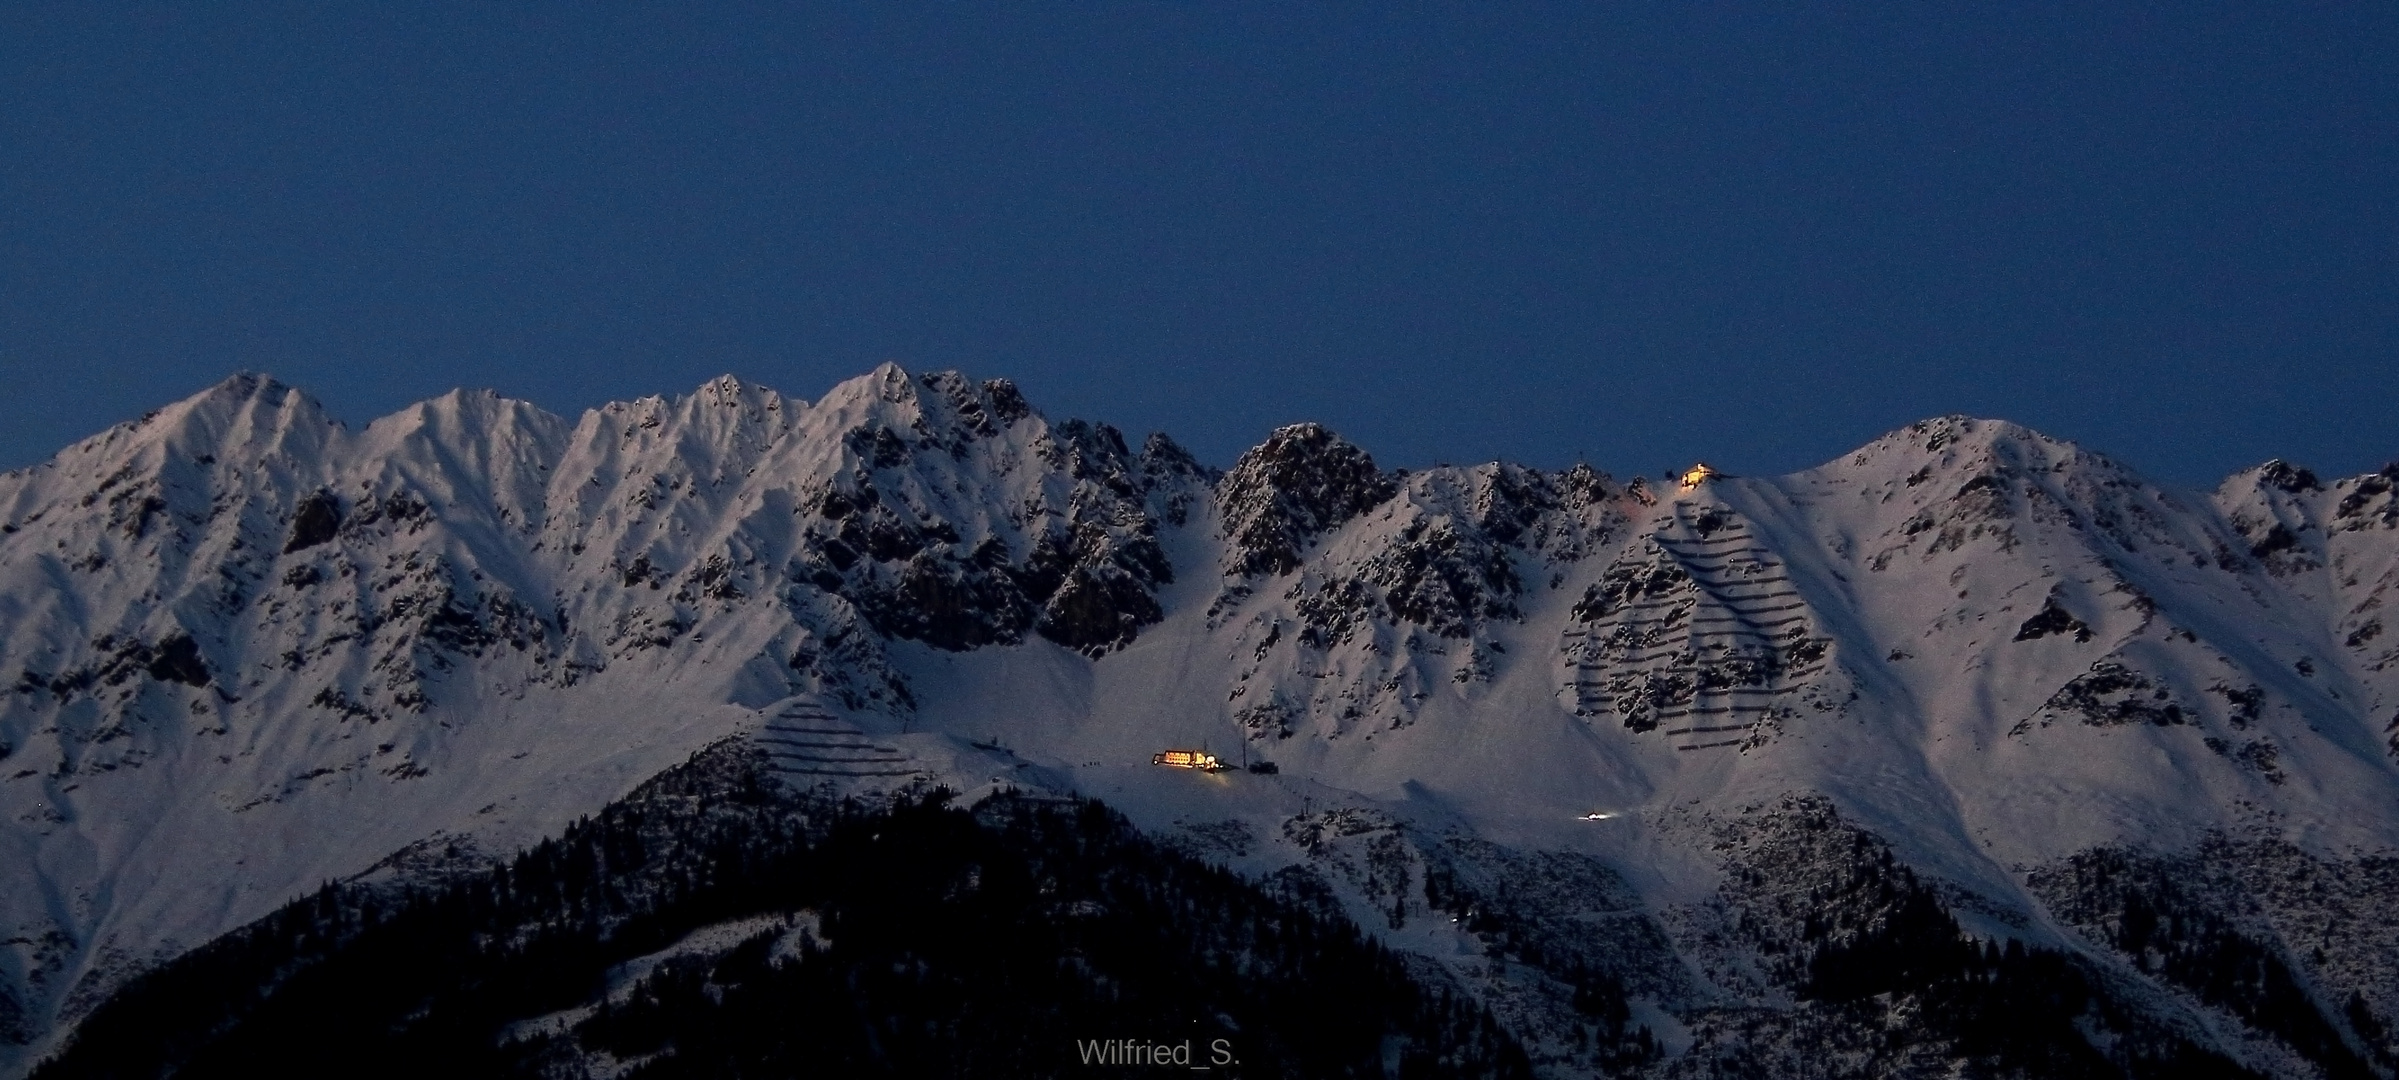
{"points": [[1637, 233]]}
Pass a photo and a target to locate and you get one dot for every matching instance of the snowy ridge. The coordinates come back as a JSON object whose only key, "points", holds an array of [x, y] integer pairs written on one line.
{"points": [[251, 650], [247, 650]]}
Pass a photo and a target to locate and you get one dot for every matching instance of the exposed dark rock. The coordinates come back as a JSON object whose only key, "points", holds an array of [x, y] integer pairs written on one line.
{"points": [[640, 572], [2277, 539], [947, 605], [977, 408], [1163, 458], [2370, 502], [317, 520], [1583, 485], [2244, 704], [2264, 757], [134, 516], [1453, 562], [884, 537], [2283, 476], [1645, 572], [1172, 477], [177, 659], [836, 504], [964, 600], [1443, 581], [1084, 579], [714, 578], [2111, 694], [880, 446], [1511, 501], [1095, 611], [1983, 497], [1302, 482], [335, 699], [13, 1027], [2053, 619], [1094, 452], [1007, 404], [399, 508], [174, 658]]}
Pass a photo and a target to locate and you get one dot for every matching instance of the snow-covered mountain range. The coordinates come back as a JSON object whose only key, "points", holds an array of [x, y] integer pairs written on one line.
{"points": [[247, 651]]}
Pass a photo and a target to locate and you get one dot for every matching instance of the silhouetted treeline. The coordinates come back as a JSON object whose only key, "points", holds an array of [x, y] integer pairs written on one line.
{"points": [[919, 940], [2137, 906], [2007, 1011], [1586, 965]]}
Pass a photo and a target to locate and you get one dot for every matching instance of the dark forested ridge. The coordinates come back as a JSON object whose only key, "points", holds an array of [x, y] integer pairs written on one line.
{"points": [[2154, 912], [714, 925], [1886, 983], [718, 924]]}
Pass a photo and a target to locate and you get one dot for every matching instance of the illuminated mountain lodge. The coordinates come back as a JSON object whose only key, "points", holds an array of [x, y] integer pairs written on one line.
{"points": [[1188, 759]]}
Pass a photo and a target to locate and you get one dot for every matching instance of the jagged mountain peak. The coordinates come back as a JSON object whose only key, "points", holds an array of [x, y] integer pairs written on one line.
{"points": [[732, 391], [2276, 508], [1161, 456], [724, 407], [245, 394], [2281, 508], [245, 417], [934, 405], [888, 380], [889, 410], [2368, 501], [1937, 484], [1505, 500], [242, 387], [1282, 494], [215, 470], [1960, 445], [728, 394], [462, 416], [2283, 476]]}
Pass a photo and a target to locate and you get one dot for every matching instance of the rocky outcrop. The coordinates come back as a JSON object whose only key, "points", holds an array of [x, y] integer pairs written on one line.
{"points": [[1454, 548], [318, 518], [1082, 572], [1301, 483]]}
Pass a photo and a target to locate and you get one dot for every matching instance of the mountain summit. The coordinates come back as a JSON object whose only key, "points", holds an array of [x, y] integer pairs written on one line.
{"points": [[1634, 725]]}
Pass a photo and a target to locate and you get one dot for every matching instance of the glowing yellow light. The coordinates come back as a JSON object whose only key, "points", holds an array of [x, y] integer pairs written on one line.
{"points": [[1187, 759]]}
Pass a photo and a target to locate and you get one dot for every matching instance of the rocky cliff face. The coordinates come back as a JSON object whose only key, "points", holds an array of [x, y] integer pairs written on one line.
{"points": [[1302, 482], [247, 650]]}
